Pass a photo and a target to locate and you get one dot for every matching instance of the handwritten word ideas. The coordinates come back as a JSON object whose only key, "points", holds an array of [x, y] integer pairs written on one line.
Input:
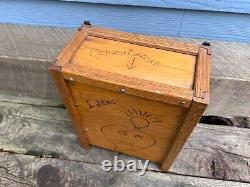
{"points": [[100, 103]]}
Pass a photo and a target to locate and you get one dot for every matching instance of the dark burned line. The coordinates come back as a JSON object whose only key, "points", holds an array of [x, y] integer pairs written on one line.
{"points": [[127, 52]]}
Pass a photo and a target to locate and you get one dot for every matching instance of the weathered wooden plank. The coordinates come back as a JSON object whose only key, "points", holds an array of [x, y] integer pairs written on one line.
{"points": [[219, 152], [27, 51], [18, 98], [38, 133], [23, 170], [229, 97], [229, 59], [240, 6], [32, 42], [158, 21]]}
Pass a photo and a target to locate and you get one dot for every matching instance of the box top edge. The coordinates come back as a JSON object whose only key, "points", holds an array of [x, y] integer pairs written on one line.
{"points": [[132, 86], [152, 41], [156, 42]]}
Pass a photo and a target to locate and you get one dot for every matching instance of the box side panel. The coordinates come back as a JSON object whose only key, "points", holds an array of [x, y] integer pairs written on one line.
{"points": [[193, 116], [197, 107], [132, 125], [68, 101]]}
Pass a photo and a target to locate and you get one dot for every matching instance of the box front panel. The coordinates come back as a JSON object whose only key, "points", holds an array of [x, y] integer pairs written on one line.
{"points": [[132, 125]]}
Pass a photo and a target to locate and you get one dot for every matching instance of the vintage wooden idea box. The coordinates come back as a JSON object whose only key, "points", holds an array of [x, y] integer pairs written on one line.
{"points": [[134, 94]]}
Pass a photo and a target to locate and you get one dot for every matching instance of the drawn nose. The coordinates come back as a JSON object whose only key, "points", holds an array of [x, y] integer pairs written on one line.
{"points": [[139, 122]]}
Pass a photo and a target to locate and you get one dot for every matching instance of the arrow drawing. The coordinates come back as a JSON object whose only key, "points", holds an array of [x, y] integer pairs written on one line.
{"points": [[132, 65]]}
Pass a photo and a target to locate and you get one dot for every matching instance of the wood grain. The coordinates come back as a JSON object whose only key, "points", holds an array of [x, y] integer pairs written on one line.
{"points": [[149, 41], [229, 97], [25, 171], [197, 108], [136, 126], [202, 75], [39, 101], [69, 103], [140, 68], [211, 151], [137, 61], [131, 86], [198, 105], [67, 54]]}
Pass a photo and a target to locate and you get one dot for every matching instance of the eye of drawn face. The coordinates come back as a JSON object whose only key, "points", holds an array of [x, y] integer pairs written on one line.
{"points": [[122, 132], [138, 136]]}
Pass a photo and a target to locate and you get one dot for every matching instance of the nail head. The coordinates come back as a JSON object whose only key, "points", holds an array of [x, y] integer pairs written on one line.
{"points": [[123, 90], [182, 102]]}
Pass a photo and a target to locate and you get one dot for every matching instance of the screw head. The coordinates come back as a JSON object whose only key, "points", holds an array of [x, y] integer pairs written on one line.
{"points": [[86, 22], [158, 91], [123, 90], [182, 102], [206, 43]]}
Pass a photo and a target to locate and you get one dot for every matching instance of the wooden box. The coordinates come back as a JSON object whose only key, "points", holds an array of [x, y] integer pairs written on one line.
{"points": [[135, 94]]}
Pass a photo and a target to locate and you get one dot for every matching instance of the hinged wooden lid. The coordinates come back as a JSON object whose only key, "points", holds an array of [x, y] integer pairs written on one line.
{"points": [[145, 66]]}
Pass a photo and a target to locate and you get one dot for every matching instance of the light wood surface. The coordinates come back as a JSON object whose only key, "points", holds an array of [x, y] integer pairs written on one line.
{"points": [[139, 73], [202, 74], [129, 85], [136, 61], [149, 41], [70, 49], [197, 107], [136, 126]]}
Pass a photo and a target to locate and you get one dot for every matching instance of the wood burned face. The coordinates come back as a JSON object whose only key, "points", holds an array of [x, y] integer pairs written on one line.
{"points": [[131, 136]]}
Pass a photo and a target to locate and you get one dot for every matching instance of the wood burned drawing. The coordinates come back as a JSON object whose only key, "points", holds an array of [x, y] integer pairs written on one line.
{"points": [[131, 136]]}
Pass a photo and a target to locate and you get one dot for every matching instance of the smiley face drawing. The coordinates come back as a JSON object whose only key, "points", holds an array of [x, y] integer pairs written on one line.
{"points": [[131, 137]]}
